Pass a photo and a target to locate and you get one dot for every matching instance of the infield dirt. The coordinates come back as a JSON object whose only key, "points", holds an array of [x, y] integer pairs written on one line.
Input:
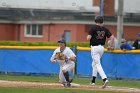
{"points": [[4, 83]]}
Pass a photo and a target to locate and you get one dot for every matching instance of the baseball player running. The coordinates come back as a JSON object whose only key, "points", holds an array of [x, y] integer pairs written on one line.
{"points": [[65, 57], [97, 37]]}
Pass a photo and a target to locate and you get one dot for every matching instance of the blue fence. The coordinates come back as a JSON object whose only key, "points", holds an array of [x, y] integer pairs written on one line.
{"points": [[122, 65], [28, 61], [115, 65]]}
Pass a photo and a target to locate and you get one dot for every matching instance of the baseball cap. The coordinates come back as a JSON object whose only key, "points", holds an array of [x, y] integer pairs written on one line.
{"points": [[61, 41], [99, 19], [123, 40]]}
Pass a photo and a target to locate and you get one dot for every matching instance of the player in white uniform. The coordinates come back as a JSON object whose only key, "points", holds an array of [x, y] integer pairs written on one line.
{"points": [[97, 37], [65, 66]]}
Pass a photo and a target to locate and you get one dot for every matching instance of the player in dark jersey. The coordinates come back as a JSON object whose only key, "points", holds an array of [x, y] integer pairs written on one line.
{"points": [[97, 37]]}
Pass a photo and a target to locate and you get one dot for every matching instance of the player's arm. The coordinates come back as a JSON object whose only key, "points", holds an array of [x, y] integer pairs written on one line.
{"points": [[72, 58], [90, 33], [111, 41], [53, 59], [89, 37]]}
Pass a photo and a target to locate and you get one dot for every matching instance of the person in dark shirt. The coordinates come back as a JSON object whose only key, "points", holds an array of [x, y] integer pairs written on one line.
{"points": [[97, 37], [125, 45], [136, 44]]}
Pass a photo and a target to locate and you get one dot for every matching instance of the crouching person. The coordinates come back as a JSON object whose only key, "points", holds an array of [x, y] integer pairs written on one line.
{"points": [[66, 59]]}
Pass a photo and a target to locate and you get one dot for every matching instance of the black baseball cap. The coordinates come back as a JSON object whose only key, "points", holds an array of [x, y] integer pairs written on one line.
{"points": [[99, 19]]}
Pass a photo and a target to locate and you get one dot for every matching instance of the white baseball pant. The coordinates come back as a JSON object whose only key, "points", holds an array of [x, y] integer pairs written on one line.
{"points": [[96, 53], [65, 68]]}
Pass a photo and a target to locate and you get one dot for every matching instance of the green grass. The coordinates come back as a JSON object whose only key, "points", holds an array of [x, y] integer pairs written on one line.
{"points": [[120, 83], [29, 78], [46, 90]]}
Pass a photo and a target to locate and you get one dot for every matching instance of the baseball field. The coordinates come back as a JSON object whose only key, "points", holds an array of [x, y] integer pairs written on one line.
{"points": [[50, 84]]}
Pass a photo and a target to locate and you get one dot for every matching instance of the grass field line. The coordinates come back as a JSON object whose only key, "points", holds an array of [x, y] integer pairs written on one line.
{"points": [[5, 83]]}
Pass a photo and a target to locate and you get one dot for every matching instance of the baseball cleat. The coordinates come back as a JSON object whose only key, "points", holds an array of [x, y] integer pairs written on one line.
{"points": [[71, 80], [92, 84], [67, 84], [105, 84]]}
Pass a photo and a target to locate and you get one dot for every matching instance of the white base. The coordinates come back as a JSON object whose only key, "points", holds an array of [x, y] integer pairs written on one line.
{"points": [[75, 85]]}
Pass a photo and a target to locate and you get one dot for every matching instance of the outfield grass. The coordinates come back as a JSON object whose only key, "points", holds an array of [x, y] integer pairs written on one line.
{"points": [[123, 83]]}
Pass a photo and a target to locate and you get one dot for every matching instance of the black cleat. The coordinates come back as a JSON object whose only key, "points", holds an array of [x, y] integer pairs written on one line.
{"points": [[71, 80], [105, 84], [67, 84]]}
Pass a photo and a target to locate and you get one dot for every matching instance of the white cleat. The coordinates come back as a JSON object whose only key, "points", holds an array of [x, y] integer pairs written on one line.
{"points": [[105, 84], [92, 84]]}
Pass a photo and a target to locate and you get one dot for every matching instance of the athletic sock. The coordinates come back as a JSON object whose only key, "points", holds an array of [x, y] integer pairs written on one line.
{"points": [[104, 79], [93, 79], [66, 75]]}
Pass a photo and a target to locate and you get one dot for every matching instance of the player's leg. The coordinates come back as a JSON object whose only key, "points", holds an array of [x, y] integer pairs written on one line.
{"points": [[97, 52], [97, 57], [68, 67], [99, 67], [65, 69], [61, 77], [94, 69], [94, 73], [101, 71]]}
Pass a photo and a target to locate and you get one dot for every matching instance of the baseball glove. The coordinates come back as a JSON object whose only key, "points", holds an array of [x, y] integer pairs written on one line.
{"points": [[60, 56]]}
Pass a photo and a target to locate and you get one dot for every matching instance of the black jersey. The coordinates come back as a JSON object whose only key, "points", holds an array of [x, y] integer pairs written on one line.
{"points": [[99, 34], [137, 44]]}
